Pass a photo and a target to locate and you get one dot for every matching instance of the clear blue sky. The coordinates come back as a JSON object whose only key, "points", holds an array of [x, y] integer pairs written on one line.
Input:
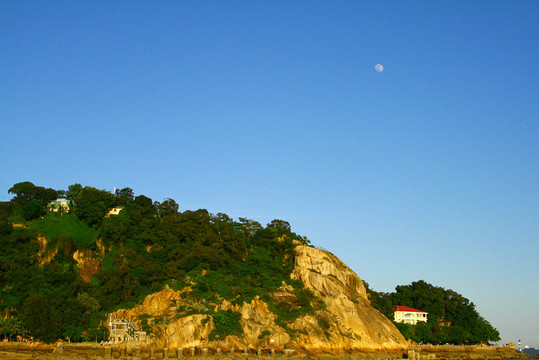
{"points": [[273, 109]]}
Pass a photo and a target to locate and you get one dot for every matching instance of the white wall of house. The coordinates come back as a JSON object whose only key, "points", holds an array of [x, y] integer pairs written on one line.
{"points": [[410, 317], [115, 210], [58, 204]]}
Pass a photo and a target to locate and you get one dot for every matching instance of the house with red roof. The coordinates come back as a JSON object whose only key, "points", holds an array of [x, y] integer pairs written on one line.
{"points": [[408, 315]]}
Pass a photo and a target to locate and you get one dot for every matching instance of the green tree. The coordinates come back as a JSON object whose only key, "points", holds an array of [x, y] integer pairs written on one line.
{"points": [[167, 207], [89, 303], [31, 200], [250, 227], [281, 225], [444, 307], [40, 319], [124, 196], [72, 193], [6, 227], [91, 205], [10, 328], [226, 323]]}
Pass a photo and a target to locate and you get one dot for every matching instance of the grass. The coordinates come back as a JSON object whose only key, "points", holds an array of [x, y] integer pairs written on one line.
{"points": [[69, 227]]}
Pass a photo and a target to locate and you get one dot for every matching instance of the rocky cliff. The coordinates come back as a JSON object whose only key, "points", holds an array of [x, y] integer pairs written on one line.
{"points": [[354, 324], [346, 323]]}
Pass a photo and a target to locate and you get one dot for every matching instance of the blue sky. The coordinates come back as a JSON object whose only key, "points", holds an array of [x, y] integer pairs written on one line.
{"points": [[273, 109]]}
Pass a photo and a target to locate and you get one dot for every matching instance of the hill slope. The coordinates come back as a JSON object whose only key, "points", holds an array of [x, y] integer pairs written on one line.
{"points": [[346, 323], [183, 277]]}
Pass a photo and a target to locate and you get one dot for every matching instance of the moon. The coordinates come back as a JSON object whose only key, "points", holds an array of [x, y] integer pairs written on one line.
{"points": [[379, 67]]}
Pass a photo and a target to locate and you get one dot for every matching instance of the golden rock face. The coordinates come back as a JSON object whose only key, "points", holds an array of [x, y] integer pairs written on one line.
{"points": [[347, 323], [354, 325]]}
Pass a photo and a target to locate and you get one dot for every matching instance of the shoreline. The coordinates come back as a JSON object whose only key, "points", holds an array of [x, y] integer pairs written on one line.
{"points": [[78, 351], [469, 352]]}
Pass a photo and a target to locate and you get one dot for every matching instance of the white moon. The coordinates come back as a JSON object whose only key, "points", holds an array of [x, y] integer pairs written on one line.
{"points": [[379, 67]]}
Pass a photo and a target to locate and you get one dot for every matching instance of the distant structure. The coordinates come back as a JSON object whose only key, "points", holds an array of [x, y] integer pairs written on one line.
{"points": [[115, 211], [124, 330], [59, 205], [408, 315]]}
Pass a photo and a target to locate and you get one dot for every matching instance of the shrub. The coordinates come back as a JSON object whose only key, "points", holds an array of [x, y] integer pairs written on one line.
{"points": [[226, 323]]}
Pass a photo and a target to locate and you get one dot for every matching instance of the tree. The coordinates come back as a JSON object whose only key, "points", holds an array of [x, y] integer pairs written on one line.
{"points": [[92, 204], [5, 225], [32, 200], [226, 323], [250, 226], [11, 328], [6, 208], [281, 225], [72, 193], [89, 303], [444, 307], [40, 319], [124, 196], [145, 205], [167, 207]]}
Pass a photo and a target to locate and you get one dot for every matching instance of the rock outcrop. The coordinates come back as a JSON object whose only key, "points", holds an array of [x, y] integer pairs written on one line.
{"points": [[88, 263], [346, 323], [353, 323]]}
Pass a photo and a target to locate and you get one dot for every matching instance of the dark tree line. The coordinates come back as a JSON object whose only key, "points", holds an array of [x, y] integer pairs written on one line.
{"points": [[452, 318]]}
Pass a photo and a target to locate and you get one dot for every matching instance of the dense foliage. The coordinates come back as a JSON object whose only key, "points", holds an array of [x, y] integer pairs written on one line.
{"points": [[452, 318], [226, 323], [149, 244], [152, 244]]}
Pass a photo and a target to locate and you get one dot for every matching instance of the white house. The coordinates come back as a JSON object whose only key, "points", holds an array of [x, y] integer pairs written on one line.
{"points": [[124, 330], [58, 204], [408, 315]]}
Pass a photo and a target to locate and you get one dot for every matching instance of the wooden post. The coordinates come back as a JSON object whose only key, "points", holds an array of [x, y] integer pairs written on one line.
{"points": [[108, 351]]}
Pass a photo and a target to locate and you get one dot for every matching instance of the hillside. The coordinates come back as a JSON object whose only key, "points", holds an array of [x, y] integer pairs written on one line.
{"points": [[346, 321], [192, 277], [182, 277]]}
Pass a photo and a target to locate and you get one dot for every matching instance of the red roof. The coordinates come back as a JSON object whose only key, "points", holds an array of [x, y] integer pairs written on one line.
{"points": [[407, 309]]}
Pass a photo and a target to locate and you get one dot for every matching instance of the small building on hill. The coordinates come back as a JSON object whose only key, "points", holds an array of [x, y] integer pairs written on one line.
{"points": [[124, 330], [59, 204], [115, 210], [408, 315]]}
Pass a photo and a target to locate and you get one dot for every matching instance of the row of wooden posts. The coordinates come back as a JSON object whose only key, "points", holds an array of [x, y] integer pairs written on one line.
{"points": [[181, 352], [413, 355]]}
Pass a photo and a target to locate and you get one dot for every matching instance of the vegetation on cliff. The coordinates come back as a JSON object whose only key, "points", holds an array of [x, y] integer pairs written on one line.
{"points": [[150, 245], [452, 318], [147, 246]]}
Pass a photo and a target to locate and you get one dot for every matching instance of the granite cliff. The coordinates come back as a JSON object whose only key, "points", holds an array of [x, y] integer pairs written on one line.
{"points": [[346, 323]]}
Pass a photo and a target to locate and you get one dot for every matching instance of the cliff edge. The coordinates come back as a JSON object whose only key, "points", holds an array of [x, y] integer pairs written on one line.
{"points": [[346, 323]]}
